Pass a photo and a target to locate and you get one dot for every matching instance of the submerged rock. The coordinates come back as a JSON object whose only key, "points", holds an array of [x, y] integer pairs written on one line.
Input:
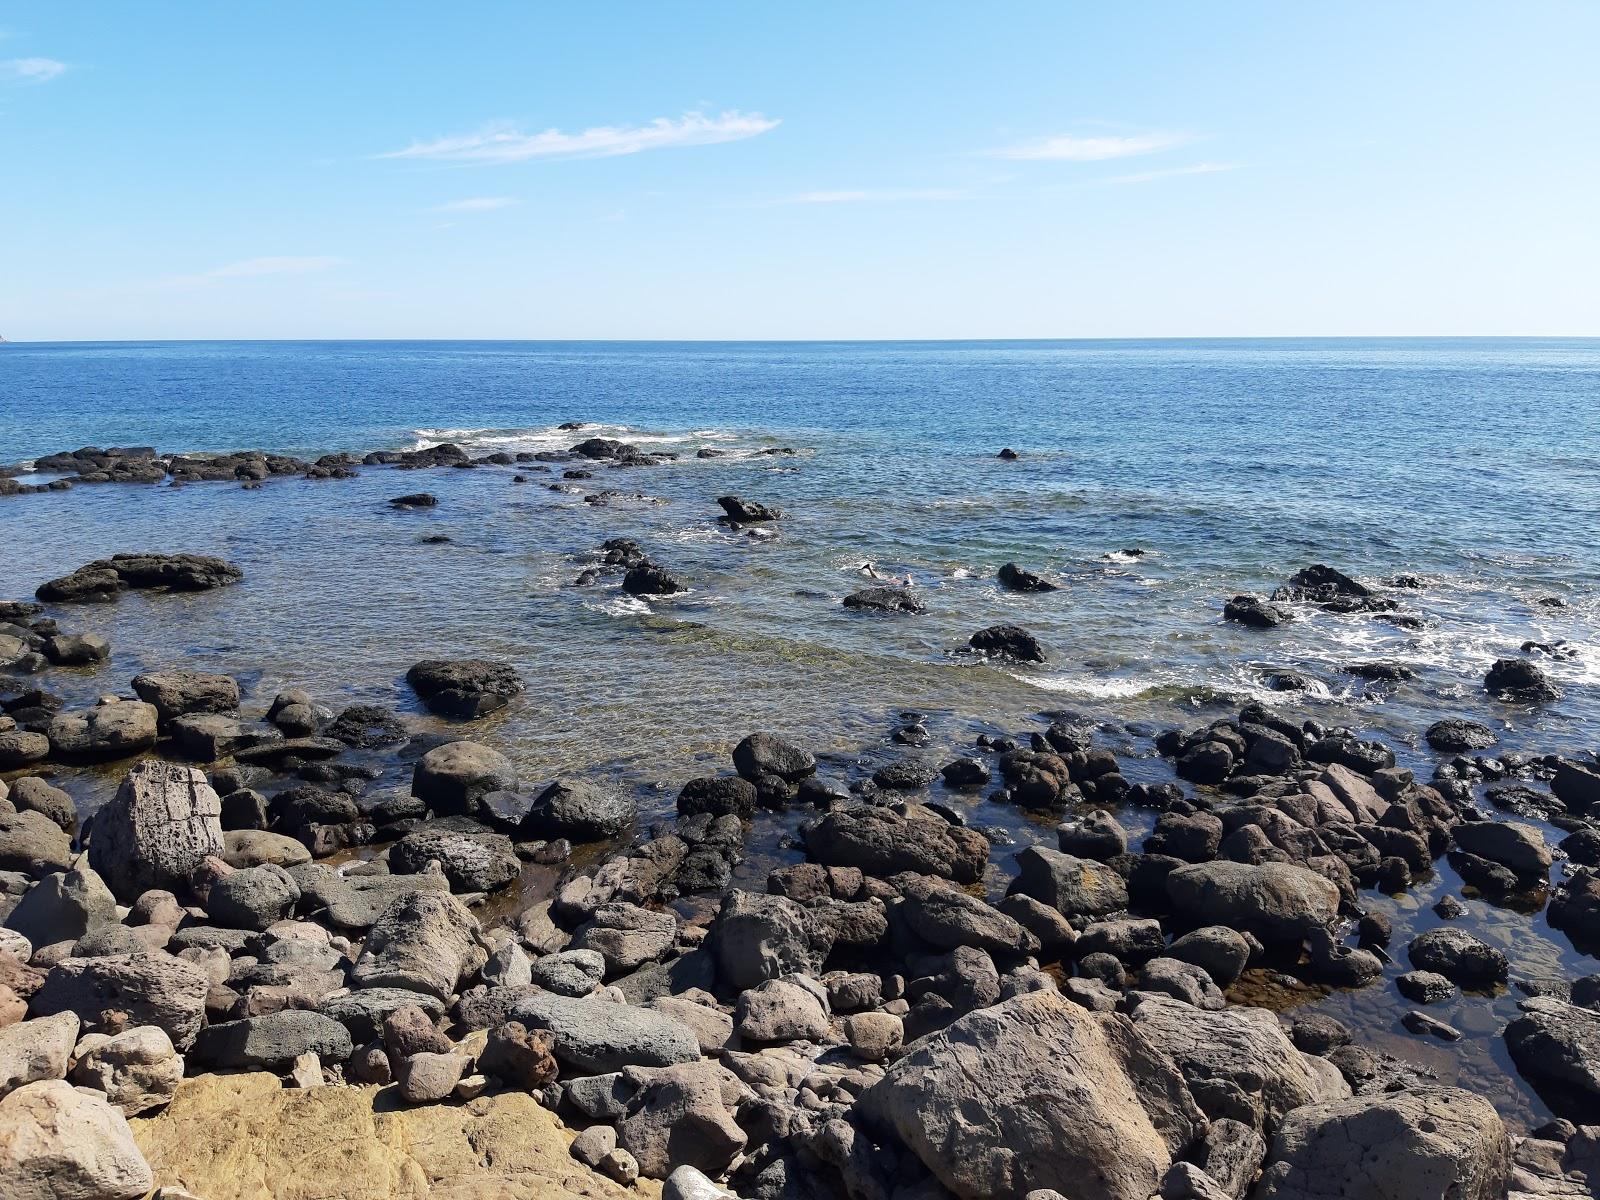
{"points": [[1020, 579], [465, 688], [885, 600]]}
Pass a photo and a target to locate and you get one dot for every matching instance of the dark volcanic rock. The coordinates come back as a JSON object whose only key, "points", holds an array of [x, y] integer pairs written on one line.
{"points": [[717, 795], [746, 512], [1255, 612], [581, 811], [1518, 681], [885, 600], [647, 579], [469, 687], [1007, 641], [881, 842], [1020, 579], [767, 754], [104, 578], [1453, 735], [416, 500]]}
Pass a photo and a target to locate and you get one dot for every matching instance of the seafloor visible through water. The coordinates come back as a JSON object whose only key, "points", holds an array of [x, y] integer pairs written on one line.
{"points": [[1154, 481]]}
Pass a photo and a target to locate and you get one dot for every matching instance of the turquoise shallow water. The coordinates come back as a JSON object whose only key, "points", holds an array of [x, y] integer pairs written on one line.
{"points": [[1474, 464]]}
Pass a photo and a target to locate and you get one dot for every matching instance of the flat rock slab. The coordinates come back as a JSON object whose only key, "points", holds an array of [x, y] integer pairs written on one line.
{"points": [[246, 1137]]}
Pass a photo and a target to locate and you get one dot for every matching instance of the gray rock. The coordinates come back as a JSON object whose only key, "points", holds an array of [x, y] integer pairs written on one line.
{"points": [[781, 1010], [1075, 887], [574, 973], [1430, 1143], [581, 811], [881, 842], [464, 688], [680, 1118], [253, 898], [257, 847], [1223, 952], [1275, 901], [472, 861], [112, 994], [1182, 981], [207, 737], [424, 941], [1556, 1047], [1034, 1093], [363, 1012], [32, 794], [450, 778], [138, 1070], [767, 754], [272, 1041], [105, 732], [687, 1183], [508, 966], [37, 1049], [177, 693], [427, 1077], [63, 907], [163, 821], [627, 936], [1245, 1046], [595, 1036], [355, 902], [32, 843], [20, 747], [758, 937], [946, 916], [1425, 987], [1520, 848], [1458, 956]]}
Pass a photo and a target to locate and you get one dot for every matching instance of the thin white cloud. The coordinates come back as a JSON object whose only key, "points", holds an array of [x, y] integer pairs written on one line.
{"points": [[476, 204], [503, 143], [869, 195], [1205, 168], [1068, 148], [30, 70]]}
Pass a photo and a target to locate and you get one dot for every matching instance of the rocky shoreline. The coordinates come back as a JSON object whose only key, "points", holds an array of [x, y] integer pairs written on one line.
{"points": [[249, 925]]}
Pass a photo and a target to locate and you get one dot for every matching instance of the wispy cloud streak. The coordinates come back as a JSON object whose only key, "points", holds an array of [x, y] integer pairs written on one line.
{"points": [[30, 70], [1068, 148], [504, 143], [1205, 168], [476, 204]]}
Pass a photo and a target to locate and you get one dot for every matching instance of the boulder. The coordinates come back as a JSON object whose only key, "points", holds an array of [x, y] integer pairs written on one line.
{"points": [[464, 688], [273, 1040], [77, 649], [1244, 1046], [1423, 1143], [746, 512], [593, 1037], [427, 1077], [945, 916], [472, 861], [19, 748], [450, 778], [1459, 957], [138, 1070], [1075, 887], [1020, 579], [885, 600], [1256, 612], [104, 732], [767, 754], [1556, 1047], [1518, 681], [179, 693], [781, 1010], [32, 843], [63, 907], [1275, 901], [257, 847], [679, 1118], [35, 1050], [758, 937], [59, 1143], [627, 936], [1222, 952], [1456, 735], [580, 811], [575, 973], [1520, 848], [32, 794], [717, 796], [110, 995], [162, 823], [1008, 642], [253, 897], [520, 1057], [881, 842], [1036, 1093], [424, 941]]}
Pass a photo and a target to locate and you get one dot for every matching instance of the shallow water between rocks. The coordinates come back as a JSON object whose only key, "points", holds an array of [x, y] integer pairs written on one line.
{"points": [[1470, 464]]}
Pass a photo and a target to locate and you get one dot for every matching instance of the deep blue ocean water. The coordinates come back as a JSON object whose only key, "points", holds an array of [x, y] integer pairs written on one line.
{"points": [[1474, 464]]}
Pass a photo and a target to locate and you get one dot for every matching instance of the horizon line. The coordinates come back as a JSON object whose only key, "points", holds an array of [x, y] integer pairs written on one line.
{"points": [[801, 341]]}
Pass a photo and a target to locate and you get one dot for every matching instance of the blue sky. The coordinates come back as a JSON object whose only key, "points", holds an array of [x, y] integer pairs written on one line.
{"points": [[825, 170]]}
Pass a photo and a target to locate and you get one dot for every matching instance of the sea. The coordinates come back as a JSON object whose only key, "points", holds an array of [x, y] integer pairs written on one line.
{"points": [[1153, 480]]}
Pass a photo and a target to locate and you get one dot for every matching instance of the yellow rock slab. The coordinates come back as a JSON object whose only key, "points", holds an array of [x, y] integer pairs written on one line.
{"points": [[246, 1137]]}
